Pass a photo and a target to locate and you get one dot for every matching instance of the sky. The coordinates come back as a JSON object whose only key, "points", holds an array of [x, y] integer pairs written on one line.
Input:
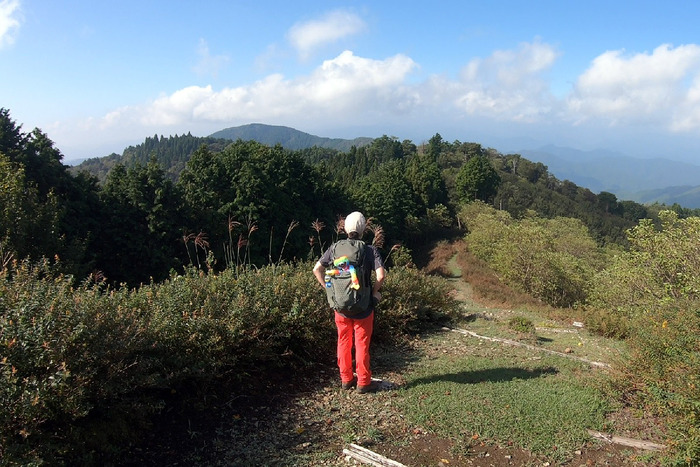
{"points": [[98, 76]]}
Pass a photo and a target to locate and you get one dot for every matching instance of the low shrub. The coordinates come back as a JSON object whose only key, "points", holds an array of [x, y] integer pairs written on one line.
{"points": [[39, 382], [664, 369], [606, 324], [521, 324], [84, 368], [651, 294], [551, 259], [412, 302]]}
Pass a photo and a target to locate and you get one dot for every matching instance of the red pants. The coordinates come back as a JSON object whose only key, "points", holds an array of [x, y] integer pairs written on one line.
{"points": [[362, 330]]}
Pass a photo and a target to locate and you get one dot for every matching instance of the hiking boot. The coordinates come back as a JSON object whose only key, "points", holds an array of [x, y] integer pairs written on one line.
{"points": [[349, 384], [371, 387]]}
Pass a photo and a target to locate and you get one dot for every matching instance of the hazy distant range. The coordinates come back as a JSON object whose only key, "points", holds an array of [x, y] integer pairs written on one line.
{"points": [[642, 180]]}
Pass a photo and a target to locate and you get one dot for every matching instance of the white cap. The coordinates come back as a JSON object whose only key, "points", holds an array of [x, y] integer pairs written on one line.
{"points": [[355, 222]]}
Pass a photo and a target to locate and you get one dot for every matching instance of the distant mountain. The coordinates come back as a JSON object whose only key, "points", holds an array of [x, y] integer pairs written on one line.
{"points": [[289, 138], [685, 196], [641, 180]]}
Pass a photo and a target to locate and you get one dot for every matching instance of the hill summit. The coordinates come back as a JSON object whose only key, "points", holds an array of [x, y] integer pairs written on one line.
{"points": [[289, 138]]}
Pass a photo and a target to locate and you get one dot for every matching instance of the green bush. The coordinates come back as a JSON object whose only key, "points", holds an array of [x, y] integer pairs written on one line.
{"points": [[521, 324], [664, 371], [652, 294], [38, 381], [550, 259], [412, 302], [606, 324], [83, 369]]}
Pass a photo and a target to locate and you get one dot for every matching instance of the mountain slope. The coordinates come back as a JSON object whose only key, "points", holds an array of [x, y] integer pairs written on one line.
{"points": [[686, 196], [289, 138]]}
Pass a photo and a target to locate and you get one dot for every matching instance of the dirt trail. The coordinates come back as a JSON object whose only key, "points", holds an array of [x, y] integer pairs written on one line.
{"points": [[464, 289]]}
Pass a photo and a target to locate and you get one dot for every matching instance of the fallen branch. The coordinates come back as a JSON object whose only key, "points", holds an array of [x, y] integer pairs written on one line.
{"points": [[368, 457], [531, 347], [634, 443]]}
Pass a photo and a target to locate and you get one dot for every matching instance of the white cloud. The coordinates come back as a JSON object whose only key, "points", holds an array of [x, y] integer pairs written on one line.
{"points": [[347, 90], [354, 91], [208, 64], [9, 21], [336, 25], [176, 108], [509, 84], [342, 88], [687, 115], [640, 88]]}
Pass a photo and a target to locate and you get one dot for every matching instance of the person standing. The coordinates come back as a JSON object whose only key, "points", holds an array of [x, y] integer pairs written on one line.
{"points": [[357, 322]]}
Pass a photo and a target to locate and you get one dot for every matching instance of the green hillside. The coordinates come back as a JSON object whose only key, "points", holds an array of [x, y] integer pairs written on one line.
{"points": [[686, 196], [172, 153]]}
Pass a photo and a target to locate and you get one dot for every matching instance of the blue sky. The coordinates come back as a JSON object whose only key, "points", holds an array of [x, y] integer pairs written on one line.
{"points": [[99, 76]]}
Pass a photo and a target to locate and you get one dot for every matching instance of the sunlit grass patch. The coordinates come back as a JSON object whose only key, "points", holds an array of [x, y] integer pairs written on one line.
{"points": [[549, 334], [502, 394]]}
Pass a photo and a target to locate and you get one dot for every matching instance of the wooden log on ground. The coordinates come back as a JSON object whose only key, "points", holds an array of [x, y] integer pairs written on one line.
{"points": [[366, 456], [633, 443]]}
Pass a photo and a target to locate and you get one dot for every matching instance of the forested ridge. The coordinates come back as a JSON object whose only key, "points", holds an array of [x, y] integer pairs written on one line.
{"points": [[186, 262], [172, 154]]}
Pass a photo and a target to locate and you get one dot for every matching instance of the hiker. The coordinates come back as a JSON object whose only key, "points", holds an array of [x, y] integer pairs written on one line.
{"points": [[356, 320]]}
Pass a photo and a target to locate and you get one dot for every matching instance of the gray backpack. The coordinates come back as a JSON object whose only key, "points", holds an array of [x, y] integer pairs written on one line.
{"points": [[347, 285]]}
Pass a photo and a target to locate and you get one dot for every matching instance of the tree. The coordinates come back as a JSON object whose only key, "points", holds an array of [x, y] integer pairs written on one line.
{"points": [[662, 264], [435, 146], [423, 174], [653, 289], [633, 211], [12, 140], [477, 179], [263, 189], [387, 196], [531, 171], [28, 225], [408, 147], [54, 215], [14, 212], [469, 150], [551, 259], [141, 225], [608, 203], [384, 149]]}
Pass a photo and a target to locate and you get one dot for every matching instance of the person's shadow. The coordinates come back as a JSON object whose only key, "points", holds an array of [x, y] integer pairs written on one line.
{"points": [[493, 375]]}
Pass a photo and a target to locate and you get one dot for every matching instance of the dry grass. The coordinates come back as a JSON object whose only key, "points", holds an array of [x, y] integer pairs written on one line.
{"points": [[452, 259], [486, 286], [438, 258]]}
